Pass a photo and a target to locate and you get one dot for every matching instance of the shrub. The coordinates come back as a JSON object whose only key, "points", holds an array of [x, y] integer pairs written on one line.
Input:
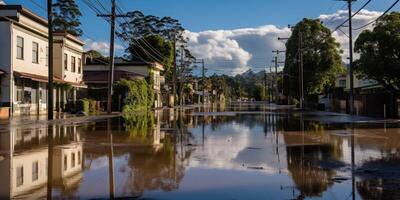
{"points": [[136, 95], [83, 105]]}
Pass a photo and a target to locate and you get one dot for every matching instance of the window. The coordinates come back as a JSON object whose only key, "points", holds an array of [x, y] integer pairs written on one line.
{"points": [[73, 160], [65, 61], [20, 94], [65, 162], [73, 64], [35, 52], [20, 176], [35, 171], [342, 83], [20, 47], [79, 65], [79, 157]]}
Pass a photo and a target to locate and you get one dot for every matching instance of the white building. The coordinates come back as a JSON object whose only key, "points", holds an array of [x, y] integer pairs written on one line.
{"points": [[24, 61]]}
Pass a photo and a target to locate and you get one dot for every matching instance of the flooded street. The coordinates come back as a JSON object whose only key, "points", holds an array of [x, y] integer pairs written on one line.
{"points": [[237, 151]]}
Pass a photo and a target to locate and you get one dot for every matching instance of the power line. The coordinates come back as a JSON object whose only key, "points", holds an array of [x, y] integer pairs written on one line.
{"points": [[380, 17], [358, 11]]}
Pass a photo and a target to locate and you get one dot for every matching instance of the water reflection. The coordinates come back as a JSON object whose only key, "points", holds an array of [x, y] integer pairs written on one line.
{"points": [[234, 151]]}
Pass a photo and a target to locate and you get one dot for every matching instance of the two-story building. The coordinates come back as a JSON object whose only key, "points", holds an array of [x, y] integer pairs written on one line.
{"points": [[24, 61], [96, 74]]}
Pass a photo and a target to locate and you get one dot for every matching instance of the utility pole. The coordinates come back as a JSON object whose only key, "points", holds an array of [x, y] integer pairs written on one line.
{"points": [[301, 73], [276, 73], [180, 78], [174, 70], [50, 95], [265, 84], [351, 95], [204, 81], [112, 17]]}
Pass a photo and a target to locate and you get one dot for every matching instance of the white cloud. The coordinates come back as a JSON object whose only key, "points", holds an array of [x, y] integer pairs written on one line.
{"points": [[335, 19], [235, 51], [2, 3], [101, 46]]}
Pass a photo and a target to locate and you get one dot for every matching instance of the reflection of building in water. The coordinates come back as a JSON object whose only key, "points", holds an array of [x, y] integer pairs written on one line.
{"points": [[24, 169]]}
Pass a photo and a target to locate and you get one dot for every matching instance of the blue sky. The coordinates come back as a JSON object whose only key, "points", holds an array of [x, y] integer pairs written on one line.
{"points": [[201, 15], [230, 34]]}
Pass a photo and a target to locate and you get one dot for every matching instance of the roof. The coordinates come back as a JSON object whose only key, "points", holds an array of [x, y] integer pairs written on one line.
{"points": [[122, 62], [31, 15], [70, 37], [102, 76], [26, 12]]}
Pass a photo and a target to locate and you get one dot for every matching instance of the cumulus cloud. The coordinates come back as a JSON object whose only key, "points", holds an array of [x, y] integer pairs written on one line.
{"points": [[101, 46], [335, 19], [235, 51]]}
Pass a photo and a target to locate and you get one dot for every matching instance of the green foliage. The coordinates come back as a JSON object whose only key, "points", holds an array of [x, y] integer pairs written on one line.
{"points": [[66, 17], [138, 124], [321, 59], [159, 48], [379, 51], [153, 39], [83, 105], [136, 94]]}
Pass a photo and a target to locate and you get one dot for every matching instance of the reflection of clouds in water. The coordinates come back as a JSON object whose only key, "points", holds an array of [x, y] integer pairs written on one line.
{"points": [[98, 163], [228, 149]]}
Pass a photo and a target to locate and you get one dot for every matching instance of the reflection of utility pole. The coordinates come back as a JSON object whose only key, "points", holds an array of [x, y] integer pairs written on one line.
{"points": [[50, 162], [353, 182], [111, 161]]}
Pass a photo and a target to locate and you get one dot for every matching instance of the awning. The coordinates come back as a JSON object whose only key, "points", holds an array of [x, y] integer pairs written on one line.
{"points": [[44, 79]]}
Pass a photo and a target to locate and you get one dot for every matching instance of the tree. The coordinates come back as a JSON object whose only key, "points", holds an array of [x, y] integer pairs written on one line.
{"points": [[321, 60], [66, 17], [152, 39], [152, 48], [379, 51]]}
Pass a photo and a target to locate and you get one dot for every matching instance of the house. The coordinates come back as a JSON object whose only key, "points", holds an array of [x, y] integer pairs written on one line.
{"points": [[370, 98], [24, 62], [96, 74]]}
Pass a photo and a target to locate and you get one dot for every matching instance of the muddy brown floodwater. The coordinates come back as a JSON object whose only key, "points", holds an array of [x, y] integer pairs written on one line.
{"points": [[232, 152]]}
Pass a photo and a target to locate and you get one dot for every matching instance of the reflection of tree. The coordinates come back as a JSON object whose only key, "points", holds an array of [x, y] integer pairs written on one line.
{"points": [[139, 126], [155, 169], [380, 179], [304, 164]]}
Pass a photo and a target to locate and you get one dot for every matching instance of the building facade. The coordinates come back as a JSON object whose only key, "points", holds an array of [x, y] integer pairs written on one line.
{"points": [[96, 74], [24, 61]]}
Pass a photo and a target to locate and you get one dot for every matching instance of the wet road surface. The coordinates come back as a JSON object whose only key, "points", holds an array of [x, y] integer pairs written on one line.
{"points": [[237, 151]]}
